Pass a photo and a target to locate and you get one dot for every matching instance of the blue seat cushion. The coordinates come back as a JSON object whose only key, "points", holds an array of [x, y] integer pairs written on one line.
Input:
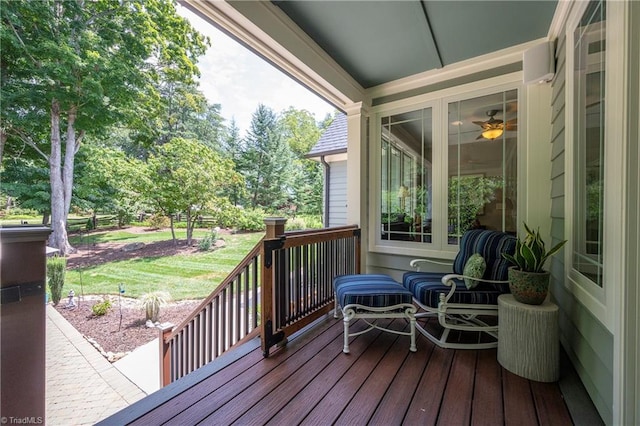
{"points": [[426, 287], [371, 290]]}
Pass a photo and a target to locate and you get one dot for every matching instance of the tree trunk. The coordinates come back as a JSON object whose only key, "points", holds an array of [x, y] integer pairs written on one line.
{"points": [[173, 231], [45, 218], [3, 141], [61, 177], [189, 227]]}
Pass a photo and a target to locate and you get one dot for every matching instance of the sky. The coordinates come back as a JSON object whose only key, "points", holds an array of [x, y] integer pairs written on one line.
{"points": [[239, 80]]}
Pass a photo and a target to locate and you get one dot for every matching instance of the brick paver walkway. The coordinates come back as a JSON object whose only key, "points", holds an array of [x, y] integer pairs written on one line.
{"points": [[82, 387]]}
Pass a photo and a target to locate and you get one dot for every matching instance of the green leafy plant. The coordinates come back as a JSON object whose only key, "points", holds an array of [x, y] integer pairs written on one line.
{"points": [[209, 240], [158, 221], [56, 268], [152, 302], [531, 254], [101, 308]]}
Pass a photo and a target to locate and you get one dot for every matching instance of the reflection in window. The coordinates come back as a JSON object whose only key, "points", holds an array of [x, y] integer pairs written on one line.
{"points": [[482, 164], [589, 74], [406, 176], [475, 172]]}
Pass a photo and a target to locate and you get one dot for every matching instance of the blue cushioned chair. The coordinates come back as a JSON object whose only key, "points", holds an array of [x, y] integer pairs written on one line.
{"points": [[446, 296]]}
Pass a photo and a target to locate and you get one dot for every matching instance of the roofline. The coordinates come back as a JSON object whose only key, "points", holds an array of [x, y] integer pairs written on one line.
{"points": [[325, 153], [267, 31]]}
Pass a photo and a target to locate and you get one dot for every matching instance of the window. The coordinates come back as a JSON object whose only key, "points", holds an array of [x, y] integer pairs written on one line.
{"points": [[589, 143], [462, 152], [406, 176], [482, 164]]}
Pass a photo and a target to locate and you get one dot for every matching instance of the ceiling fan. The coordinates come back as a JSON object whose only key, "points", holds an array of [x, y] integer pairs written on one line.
{"points": [[494, 127]]}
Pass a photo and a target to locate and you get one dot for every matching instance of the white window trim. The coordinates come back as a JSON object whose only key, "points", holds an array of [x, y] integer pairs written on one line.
{"points": [[599, 300], [438, 101]]}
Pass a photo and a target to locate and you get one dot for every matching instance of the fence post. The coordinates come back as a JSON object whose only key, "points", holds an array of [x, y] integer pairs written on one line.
{"points": [[165, 354]]}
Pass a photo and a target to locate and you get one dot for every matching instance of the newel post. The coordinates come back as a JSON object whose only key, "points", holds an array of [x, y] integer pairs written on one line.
{"points": [[275, 226], [275, 229], [165, 354]]}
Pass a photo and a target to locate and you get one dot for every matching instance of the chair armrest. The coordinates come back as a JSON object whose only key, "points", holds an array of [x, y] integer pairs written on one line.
{"points": [[448, 281], [415, 263]]}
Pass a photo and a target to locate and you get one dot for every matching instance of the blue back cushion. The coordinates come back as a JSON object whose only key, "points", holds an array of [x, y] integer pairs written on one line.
{"points": [[490, 245]]}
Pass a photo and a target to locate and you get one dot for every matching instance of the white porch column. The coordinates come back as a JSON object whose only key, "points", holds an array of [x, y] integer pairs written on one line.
{"points": [[536, 209], [357, 168]]}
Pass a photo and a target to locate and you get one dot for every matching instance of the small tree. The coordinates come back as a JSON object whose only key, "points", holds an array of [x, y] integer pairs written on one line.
{"points": [[56, 267], [187, 176]]}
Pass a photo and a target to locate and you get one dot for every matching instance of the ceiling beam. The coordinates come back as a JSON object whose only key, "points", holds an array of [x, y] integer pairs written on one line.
{"points": [[433, 38]]}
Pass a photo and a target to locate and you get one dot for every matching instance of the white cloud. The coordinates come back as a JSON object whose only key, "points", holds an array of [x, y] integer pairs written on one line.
{"points": [[239, 80]]}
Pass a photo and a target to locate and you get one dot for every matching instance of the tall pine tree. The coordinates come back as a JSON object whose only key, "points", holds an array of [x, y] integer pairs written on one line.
{"points": [[266, 162]]}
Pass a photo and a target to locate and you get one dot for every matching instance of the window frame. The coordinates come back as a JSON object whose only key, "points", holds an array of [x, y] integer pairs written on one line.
{"points": [[598, 300], [439, 248]]}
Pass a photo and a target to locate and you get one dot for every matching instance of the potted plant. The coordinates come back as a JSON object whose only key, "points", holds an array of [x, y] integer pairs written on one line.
{"points": [[528, 281]]}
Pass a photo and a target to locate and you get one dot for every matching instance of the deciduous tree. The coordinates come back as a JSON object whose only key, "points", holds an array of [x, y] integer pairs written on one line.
{"points": [[76, 67], [186, 176]]}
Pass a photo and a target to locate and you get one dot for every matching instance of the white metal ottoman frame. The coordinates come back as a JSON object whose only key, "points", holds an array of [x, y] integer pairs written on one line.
{"points": [[366, 313]]}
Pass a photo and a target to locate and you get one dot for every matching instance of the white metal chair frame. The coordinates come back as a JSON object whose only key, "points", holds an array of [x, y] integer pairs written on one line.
{"points": [[457, 316], [366, 313]]}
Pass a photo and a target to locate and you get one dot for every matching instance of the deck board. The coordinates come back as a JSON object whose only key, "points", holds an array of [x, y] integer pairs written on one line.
{"points": [[550, 406], [331, 406], [393, 406], [380, 382], [519, 408], [487, 408], [366, 400], [456, 403]]}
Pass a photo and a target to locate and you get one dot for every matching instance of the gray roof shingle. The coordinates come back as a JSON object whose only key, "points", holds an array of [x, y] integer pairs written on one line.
{"points": [[333, 140]]}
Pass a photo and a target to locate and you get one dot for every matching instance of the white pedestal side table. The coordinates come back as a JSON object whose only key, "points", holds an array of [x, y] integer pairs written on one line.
{"points": [[528, 340]]}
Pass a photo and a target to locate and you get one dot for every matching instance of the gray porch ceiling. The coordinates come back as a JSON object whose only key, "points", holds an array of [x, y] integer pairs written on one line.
{"points": [[381, 41]]}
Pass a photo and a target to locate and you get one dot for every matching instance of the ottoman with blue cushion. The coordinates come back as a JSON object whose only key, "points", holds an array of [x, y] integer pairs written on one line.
{"points": [[373, 297]]}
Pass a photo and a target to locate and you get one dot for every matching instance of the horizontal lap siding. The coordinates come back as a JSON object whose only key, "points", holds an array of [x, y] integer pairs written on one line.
{"points": [[588, 343], [338, 194]]}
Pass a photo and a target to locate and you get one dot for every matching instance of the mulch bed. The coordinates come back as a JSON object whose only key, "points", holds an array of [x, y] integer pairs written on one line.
{"points": [[97, 254], [112, 334], [116, 336]]}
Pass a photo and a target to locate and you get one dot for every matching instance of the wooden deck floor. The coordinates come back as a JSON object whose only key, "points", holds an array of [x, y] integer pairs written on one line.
{"points": [[310, 381]]}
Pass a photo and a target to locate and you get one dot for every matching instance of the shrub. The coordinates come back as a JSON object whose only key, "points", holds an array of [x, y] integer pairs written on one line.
{"points": [[228, 216], [251, 220], [295, 224], [209, 240], [152, 302], [56, 268], [312, 221], [101, 308], [158, 221]]}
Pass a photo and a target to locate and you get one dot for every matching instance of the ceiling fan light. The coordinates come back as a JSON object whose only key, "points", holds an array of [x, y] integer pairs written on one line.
{"points": [[492, 134]]}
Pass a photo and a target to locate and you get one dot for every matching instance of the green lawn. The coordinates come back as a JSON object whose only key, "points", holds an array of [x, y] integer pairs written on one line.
{"points": [[123, 236], [183, 276]]}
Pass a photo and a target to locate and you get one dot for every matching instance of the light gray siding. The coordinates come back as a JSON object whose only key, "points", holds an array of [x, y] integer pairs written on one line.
{"points": [[588, 343], [338, 193]]}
